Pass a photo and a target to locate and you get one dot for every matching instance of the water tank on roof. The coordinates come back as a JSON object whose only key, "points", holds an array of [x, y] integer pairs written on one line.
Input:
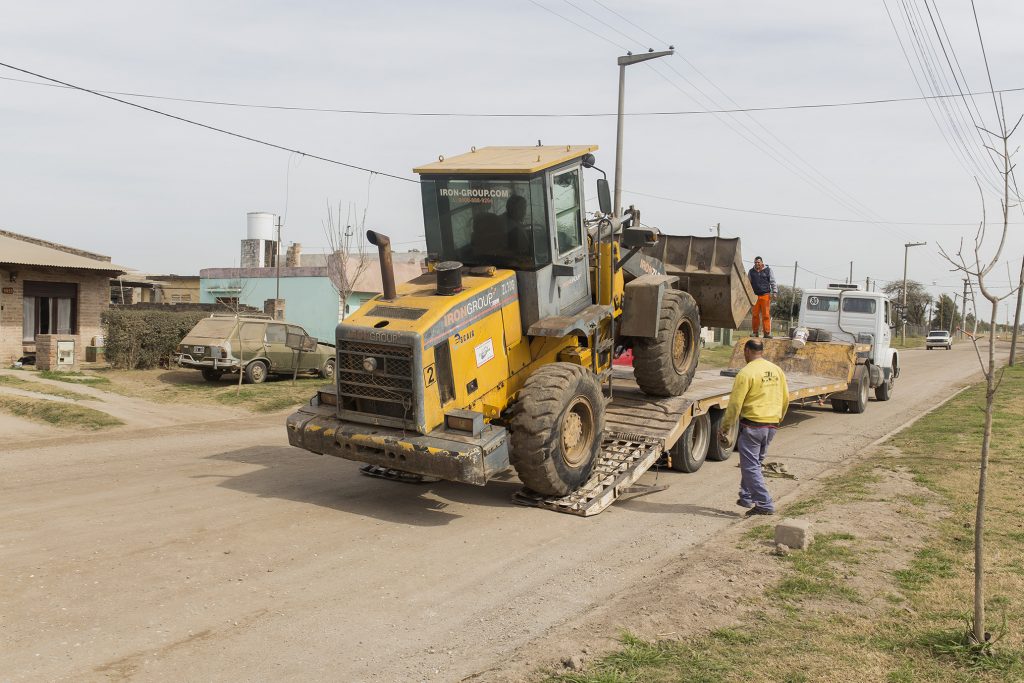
{"points": [[260, 225]]}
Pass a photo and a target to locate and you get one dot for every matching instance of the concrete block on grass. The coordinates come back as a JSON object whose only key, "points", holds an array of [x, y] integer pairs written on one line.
{"points": [[794, 533]]}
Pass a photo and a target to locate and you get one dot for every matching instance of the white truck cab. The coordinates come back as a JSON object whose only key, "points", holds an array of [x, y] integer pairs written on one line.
{"points": [[853, 316]]}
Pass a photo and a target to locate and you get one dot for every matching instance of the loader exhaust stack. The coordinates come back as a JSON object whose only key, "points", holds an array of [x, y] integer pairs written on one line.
{"points": [[387, 268]]}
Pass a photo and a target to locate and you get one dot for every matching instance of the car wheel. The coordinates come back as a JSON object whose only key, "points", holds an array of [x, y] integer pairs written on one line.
{"points": [[256, 372]]}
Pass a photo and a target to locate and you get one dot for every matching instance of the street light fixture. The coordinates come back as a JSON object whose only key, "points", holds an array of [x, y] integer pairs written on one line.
{"points": [[623, 62], [906, 248]]}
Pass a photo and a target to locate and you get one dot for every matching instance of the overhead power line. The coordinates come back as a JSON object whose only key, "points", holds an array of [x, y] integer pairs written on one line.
{"points": [[209, 127], [510, 115], [798, 216]]}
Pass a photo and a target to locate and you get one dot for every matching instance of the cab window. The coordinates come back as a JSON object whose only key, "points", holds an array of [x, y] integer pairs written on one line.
{"points": [[565, 196], [486, 222], [823, 304], [858, 305]]}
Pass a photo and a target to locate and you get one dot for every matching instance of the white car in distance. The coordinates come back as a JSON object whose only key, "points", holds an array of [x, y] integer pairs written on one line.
{"points": [[938, 339]]}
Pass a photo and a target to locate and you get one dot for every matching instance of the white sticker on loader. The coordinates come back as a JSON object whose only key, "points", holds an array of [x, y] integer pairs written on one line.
{"points": [[484, 352]]}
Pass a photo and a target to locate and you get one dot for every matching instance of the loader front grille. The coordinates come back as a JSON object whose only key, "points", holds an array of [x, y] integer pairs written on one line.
{"points": [[387, 390]]}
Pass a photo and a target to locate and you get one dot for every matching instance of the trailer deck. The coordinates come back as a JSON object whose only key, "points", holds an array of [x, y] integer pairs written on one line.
{"points": [[640, 430]]}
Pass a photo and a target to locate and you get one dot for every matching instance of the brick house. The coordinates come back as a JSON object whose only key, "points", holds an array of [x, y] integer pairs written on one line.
{"points": [[50, 291]]}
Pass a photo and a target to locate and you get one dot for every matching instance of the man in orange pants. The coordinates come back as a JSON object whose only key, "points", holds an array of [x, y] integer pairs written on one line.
{"points": [[763, 283]]}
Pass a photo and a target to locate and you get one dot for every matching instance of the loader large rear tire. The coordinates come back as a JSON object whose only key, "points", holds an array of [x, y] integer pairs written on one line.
{"points": [[664, 365], [556, 428]]}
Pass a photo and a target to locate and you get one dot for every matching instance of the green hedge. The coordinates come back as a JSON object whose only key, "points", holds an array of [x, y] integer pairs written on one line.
{"points": [[140, 339]]}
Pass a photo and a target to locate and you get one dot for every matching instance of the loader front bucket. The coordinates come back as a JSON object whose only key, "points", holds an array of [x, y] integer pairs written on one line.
{"points": [[711, 269]]}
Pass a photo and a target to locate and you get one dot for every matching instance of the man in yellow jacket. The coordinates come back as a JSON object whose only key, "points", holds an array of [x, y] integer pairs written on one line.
{"points": [[759, 400]]}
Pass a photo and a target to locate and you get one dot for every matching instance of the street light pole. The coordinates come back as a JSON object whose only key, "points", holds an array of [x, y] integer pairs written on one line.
{"points": [[623, 62], [906, 248]]}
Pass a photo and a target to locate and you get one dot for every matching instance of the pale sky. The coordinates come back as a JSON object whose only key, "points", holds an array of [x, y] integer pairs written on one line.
{"points": [[162, 196]]}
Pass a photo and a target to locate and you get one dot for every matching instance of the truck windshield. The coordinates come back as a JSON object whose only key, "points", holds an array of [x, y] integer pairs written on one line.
{"points": [[486, 222]]}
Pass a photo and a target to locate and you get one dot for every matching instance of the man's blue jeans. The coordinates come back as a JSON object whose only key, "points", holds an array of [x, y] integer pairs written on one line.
{"points": [[753, 446]]}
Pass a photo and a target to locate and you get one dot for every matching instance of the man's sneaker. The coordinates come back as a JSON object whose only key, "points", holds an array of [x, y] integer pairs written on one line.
{"points": [[755, 511], [767, 336], [744, 503]]}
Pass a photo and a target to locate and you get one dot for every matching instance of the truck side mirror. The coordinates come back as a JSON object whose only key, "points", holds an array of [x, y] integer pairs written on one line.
{"points": [[604, 197]]}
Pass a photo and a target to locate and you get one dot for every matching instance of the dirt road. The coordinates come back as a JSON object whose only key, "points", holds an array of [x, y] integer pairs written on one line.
{"points": [[217, 552]]}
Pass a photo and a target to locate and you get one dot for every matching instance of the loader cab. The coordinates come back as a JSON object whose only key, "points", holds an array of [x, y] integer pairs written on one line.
{"points": [[519, 208]]}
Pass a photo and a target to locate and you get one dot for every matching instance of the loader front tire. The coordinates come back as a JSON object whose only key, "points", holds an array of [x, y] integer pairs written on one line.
{"points": [[556, 428], [664, 365]]}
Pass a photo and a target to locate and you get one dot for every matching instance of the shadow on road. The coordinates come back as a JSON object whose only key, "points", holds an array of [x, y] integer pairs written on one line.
{"points": [[292, 474]]}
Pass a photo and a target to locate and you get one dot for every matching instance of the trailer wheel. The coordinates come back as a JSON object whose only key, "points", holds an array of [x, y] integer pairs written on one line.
{"points": [[664, 365], [327, 371], [211, 375], [859, 404], [690, 451], [556, 428], [839, 405], [718, 451], [256, 372]]}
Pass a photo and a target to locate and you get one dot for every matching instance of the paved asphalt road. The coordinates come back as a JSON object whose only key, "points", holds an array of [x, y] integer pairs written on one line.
{"points": [[217, 552]]}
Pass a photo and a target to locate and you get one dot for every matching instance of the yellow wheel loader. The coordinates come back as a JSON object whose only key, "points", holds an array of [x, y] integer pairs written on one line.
{"points": [[501, 354]]}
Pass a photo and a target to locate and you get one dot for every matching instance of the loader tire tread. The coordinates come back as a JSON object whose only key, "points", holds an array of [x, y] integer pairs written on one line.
{"points": [[535, 444], [653, 368]]}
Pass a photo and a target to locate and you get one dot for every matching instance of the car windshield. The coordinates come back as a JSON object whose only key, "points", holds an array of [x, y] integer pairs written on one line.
{"points": [[938, 333]]}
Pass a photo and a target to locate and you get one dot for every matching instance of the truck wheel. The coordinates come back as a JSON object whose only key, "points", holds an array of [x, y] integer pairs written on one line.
{"points": [[718, 451], [689, 452], [327, 371], [211, 375], [883, 392], [256, 372], [557, 425], [859, 404], [664, 365]]}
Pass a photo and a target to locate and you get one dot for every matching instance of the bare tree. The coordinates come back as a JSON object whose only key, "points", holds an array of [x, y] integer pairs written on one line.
{"points": [[347, 259], [976, 268]]}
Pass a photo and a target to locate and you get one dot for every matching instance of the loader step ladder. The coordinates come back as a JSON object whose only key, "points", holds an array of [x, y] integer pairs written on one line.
{"points": [[623, 459]]}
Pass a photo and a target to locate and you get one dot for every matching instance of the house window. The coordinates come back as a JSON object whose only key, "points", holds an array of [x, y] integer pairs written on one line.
{"points": [[181, 298], [49, 308]]}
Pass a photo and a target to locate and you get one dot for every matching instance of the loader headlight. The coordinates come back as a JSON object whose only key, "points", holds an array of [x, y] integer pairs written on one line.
{"points": [[369, 364], [467, 421]]}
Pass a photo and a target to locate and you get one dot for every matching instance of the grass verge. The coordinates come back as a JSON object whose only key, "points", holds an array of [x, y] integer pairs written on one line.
{"points": [[57, 414], [41, 388], [75, 378], [188, 386], [715, 357], [839, 612]]}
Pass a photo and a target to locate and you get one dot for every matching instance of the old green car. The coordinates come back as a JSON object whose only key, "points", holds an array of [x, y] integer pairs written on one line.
{"points": [[258, 347]]}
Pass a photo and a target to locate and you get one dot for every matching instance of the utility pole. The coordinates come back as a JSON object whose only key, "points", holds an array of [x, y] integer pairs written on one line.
{"points": [[867, 284], [963, 310], [623, 62], [277, 262], [792, 304], [718, 229], [906, 248], [849, 280], [1016, 317]]}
